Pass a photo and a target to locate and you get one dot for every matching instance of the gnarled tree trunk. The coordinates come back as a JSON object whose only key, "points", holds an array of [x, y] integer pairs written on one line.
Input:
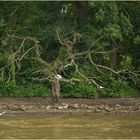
{"points": [[55, 90]]}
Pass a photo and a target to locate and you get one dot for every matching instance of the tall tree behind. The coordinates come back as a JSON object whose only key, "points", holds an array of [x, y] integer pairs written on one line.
{"points": [[80, 10]]}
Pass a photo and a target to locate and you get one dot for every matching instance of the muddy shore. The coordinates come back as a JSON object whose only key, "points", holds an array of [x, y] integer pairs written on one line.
{"points": [[12, 106]]}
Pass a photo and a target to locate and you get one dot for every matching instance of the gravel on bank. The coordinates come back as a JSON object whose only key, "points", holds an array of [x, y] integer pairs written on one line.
{"points": [[43, 105]]}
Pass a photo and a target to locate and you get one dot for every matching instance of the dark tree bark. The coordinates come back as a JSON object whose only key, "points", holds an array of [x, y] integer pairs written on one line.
{"points": [[113, 54], [81, 10]]}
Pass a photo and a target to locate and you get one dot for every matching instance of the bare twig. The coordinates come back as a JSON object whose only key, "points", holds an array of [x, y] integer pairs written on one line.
{"points": [[96, 42], [58, 36], [12, 13]]}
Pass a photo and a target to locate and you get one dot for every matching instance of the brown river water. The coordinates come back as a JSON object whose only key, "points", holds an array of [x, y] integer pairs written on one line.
{"points": [[70, 127]]}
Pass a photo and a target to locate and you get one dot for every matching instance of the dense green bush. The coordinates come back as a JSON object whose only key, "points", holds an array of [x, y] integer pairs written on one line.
{"points": [[24, 90], [114, 88], [118, 88], [80, 90]]}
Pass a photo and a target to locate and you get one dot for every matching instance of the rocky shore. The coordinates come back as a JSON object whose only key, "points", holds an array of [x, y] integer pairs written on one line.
{"points": [[15, 106]]}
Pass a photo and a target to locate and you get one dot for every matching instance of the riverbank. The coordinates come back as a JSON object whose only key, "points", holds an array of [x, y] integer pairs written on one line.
{"points": [[42, 105]]}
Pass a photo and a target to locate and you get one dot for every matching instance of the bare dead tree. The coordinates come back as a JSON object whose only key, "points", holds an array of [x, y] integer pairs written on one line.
{"points": [[66, 58]]}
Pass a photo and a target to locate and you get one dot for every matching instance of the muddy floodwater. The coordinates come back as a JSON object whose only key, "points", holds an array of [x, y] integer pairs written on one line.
{"points": [[70, 127]]}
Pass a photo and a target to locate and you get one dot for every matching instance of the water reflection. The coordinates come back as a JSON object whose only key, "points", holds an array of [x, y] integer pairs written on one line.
{"points": [[70, 126]]}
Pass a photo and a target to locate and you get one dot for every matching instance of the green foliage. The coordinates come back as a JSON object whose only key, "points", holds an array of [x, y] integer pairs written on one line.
{"points": [[137, 39], [126, 25], [100, 15], [118, 88], [28, 90], [104, 21], [113, 31], [2, 22], [79, 90], [112, 88]]}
